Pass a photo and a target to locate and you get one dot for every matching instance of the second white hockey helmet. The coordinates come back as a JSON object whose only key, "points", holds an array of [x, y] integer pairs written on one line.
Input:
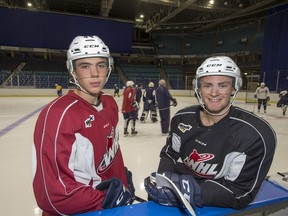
{"points": [[219, 66], [129, 83]]}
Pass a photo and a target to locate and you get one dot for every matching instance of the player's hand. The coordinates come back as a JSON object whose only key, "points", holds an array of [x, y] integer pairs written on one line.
{"points": [[116, 193], [165, 196], [174, 102], [268, 98], [255, 96], [135, 105]]}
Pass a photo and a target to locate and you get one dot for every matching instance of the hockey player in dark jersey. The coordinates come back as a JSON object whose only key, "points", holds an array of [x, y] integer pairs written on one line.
{"points": [[149, 100], [77, 160], [216, 153], [283, 102]]}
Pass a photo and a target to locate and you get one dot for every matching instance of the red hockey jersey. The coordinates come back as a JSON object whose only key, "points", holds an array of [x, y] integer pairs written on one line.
{"points": [[76, 146]]}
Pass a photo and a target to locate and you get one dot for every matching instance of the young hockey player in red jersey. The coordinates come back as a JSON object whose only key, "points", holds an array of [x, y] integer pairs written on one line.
{"points": [[129, 108], [77, 161], [216, 153]]}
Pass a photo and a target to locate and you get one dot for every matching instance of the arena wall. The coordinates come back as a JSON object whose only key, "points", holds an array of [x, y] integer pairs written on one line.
{"points": [[30, 92]]}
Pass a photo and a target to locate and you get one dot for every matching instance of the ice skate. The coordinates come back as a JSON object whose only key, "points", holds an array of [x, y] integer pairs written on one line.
{"points": [[126, 132], [134, 132]]}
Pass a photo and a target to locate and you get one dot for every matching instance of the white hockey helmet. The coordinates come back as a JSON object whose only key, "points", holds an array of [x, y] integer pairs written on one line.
{"points": [[219, 66], [151, 84], [262, 84], [129, 83], [85, 47]]}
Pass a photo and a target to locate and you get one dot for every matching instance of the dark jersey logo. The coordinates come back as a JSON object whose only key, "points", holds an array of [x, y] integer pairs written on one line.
{"points": [[198, 163]]}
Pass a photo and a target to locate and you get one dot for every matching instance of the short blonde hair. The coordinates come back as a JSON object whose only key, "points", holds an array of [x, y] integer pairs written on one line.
{"points": [[162, 82]]}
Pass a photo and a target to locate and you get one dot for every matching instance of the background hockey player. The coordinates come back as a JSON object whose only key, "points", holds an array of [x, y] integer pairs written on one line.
{"points": [[129, 108], [283, 102], [139, 93], [164, 98], [75, 134], [216, 153], [149, 100], [116, 90], [58, 89], [262, 94]]}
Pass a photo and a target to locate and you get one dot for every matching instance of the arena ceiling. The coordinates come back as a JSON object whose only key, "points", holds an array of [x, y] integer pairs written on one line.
{"points": [[161, 15]]}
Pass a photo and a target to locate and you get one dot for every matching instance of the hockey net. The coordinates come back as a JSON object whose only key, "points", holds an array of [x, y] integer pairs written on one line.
{"points": [[249, 98]]}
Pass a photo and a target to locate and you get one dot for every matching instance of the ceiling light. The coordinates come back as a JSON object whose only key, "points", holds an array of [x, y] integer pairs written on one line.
{"points": [[211, 1], [29, 4]]}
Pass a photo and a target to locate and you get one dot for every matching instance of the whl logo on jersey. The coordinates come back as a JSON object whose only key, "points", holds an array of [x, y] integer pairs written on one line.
{"points": [[198, 163], [111, 150]]}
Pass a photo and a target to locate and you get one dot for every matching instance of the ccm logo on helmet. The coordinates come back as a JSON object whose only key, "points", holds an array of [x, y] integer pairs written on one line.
{"points": [[91, 46], [214, 65]]}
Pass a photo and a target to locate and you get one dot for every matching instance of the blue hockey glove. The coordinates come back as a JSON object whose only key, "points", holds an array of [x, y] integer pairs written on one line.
{"points": [[131, 187], [116, 193], [165, 196]]}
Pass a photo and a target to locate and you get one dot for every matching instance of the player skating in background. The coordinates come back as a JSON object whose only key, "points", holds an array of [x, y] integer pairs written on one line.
{"points": [[116, 90], [163, 98], [149, 100], [283, 102], [262, 94], [129, 108], [75, 134], [217, 154], [58, 89]]}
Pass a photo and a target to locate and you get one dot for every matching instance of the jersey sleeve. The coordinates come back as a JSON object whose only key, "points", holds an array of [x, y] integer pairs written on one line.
{"points": [[256, 143], [170, 158]]}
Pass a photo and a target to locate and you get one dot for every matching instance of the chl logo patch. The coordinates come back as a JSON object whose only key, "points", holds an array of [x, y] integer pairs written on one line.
{"points": [[88, 122], [183, 127]]}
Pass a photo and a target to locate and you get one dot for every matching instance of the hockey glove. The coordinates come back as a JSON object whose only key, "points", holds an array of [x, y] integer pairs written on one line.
{"points": [[268, 98], [255, 96], [174, 102], [131, 187], [166, 196], [116, 193]]}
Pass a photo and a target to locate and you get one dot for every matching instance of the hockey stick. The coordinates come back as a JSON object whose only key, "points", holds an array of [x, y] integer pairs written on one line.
{"points": [[254, 108], [166, 107], [139, 199], [163, 181]]}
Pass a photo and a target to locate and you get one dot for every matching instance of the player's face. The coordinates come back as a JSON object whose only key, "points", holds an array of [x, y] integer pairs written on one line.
{"points": [[91, 73], [216, 92]]}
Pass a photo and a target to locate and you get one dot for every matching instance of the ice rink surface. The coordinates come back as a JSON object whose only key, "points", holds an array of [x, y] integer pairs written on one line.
{"points": [[141, 152]]}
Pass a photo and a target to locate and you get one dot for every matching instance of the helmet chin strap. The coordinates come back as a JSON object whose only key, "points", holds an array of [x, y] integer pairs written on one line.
{"points": [[213, 114]]}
